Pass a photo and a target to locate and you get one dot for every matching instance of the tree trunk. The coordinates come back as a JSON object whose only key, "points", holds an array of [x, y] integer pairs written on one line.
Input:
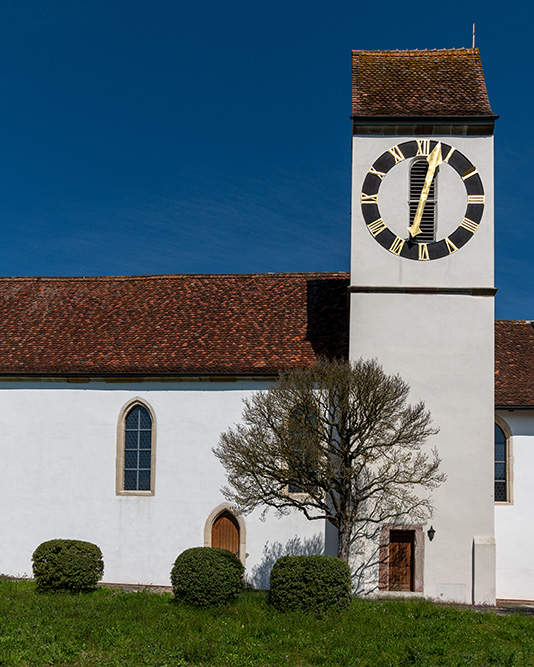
{"points": [[343, 539]]}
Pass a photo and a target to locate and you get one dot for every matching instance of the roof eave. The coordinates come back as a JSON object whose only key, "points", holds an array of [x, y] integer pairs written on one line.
{"points": [[424, 125], [514, 407], [84, 377]]}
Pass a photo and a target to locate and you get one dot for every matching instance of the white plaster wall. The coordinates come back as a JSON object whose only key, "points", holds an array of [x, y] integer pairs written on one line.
{"points": [[442, 345], [471, 266], [59, 455], [513, 522]]}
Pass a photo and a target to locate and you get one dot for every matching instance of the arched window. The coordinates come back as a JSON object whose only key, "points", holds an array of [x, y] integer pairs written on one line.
{"points": [[502, 489], [135, 450], [418, 172]]}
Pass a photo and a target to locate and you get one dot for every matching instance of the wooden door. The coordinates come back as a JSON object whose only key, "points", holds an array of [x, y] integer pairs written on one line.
{"points": [[401, 560], [225, 533]]}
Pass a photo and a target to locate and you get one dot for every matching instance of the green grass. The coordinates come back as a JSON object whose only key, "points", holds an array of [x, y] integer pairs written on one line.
{"points": [[110, 627]]}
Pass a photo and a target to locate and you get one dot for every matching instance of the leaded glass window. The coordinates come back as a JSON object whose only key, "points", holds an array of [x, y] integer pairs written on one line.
{"points": [[501, 492], [137, 449]]}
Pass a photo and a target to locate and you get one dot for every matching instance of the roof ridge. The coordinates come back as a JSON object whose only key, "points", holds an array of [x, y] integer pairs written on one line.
{"points": [[170, 276], [515, 321], [406, 51]]}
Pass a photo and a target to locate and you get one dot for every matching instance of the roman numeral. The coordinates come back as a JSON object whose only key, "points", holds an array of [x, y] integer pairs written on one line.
{"points": [[423, 251], [423, 146], [369, 199], [449, 154], [397, 154], [397, 245], [469, 225], [470, 172], [450, 245], [476, 199], [375, 172], [376, 227]]}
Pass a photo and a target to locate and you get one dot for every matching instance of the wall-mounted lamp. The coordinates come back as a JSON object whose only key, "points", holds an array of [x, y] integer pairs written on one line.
{"points": [[431, 532]]}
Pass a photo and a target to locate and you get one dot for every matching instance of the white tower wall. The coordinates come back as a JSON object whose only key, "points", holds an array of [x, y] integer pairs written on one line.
{"points": [[440, 340]]}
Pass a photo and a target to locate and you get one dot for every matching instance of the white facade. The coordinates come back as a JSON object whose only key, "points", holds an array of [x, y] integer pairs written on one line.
{"points": [[59, 461]]}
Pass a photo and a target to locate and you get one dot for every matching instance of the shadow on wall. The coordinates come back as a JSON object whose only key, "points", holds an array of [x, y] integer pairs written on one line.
{"points": [[260, 576], [365, 558], [328, 317]]}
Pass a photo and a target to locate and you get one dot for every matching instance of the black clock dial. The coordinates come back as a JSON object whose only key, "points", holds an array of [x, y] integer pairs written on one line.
{"points": [[409, 247]]}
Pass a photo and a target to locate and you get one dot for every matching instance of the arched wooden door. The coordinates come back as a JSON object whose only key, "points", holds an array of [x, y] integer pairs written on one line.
{"points": [[225, 533]]}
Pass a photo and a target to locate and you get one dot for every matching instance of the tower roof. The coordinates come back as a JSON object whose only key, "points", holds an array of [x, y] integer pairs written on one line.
{"points": [[439, 83]]}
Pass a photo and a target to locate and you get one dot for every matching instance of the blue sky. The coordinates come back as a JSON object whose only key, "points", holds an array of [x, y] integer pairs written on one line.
{"points": [[166, 137]]}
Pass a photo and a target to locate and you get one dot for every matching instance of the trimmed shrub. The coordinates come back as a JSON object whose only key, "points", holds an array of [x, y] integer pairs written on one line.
{"points": [[311, 583], [206, 577], [71, 565]]}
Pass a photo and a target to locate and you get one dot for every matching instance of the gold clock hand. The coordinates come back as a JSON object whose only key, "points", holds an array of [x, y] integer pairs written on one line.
{"points": [[434, 160]]}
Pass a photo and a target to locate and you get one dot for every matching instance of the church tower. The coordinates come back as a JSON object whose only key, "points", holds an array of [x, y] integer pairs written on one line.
{"points": [[421, 295]]}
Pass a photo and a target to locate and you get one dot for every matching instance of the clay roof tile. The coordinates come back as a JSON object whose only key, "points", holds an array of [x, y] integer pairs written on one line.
{"points": [[202, 324], [194, 324], [514, 363], [443, 83]]}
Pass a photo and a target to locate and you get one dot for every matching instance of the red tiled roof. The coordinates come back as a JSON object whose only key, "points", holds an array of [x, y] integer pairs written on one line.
{"points": [[202, 324], [171, 324], [445, 82], [514, 363]]}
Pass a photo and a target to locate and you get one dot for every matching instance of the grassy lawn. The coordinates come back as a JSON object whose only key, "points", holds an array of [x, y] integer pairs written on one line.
{"points": [[111, 627]]}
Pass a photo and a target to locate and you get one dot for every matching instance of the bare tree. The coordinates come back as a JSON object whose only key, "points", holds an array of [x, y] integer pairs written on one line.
{"points": [[336, 441]]}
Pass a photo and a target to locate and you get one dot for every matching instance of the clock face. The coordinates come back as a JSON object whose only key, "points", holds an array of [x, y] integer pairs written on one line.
{"points": [[435, 153]]}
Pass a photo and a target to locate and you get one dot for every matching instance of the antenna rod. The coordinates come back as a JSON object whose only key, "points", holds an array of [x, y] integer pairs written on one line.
{"points": [[473, 34]]}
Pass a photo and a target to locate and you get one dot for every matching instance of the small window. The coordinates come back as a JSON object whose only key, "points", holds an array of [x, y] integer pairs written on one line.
{"points": [[501, 482], [135, 450], [418, 173]]}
